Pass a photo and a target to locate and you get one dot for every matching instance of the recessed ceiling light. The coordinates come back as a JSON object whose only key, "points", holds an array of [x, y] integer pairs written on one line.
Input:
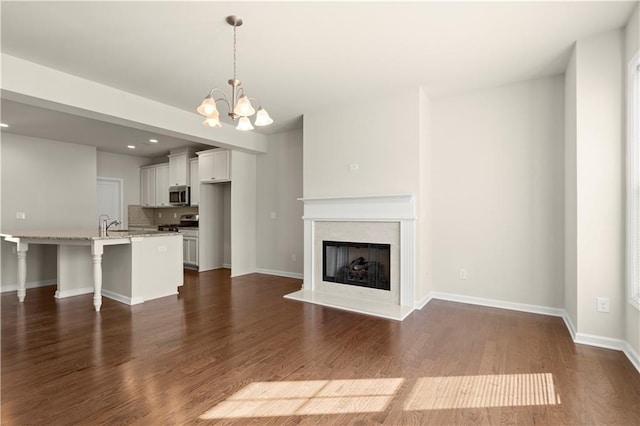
{"points": [[153, 140], [131, 146], [4, 125]]}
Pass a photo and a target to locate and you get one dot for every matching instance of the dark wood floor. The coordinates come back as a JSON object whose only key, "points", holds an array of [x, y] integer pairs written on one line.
{"points": [[184, 360]]}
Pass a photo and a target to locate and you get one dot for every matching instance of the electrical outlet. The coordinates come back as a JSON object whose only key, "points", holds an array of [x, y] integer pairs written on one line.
{"points": [[162, 249], [463, 274], [603, 304], [294, 257], [273, 215], [159, 214], [175, 215], [21, 215], [353, 167]]}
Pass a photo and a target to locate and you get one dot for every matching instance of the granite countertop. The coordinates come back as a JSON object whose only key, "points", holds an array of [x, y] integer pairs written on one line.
{"points": [[87, 234]]}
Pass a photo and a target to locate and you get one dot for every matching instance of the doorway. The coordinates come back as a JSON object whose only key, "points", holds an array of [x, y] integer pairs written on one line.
{"points": [[110, 199]]}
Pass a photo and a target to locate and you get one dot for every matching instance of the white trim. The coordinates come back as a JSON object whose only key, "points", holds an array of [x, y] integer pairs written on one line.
{"points": [[632, 181], [633, 356], [280, 273], [569, 324], [33, 284], [514, 306], [579, 338], [73, 292], [122, 299], [226, 265], [423, 302], [599, 341]]}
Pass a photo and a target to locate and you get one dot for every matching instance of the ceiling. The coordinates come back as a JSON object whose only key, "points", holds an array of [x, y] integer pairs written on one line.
{"points": [[295, 57]]}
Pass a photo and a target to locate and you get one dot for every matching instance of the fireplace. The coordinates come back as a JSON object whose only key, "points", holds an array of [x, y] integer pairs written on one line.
{"points": [[359, 264], [371, 233]]}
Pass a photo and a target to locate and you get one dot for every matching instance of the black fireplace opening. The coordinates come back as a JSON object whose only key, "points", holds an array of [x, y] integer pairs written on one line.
{"points": [[359, 264]]}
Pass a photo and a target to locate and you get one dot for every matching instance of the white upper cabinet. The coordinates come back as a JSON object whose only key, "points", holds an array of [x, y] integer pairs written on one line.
{"points": [[195, 181], [215, 165], [178, 169], [154, 185], [148, 186], [162, 185]]}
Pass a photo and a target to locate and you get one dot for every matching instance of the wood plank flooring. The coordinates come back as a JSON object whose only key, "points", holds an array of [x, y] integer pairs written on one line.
{"points": [[233, 351]]}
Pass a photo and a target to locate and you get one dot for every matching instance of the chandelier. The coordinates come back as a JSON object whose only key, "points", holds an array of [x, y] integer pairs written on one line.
{"points": [[239, 103]]}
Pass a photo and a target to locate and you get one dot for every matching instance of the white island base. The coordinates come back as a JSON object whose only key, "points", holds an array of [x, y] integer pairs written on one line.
{"points": [[145, 269], [128, 267]]}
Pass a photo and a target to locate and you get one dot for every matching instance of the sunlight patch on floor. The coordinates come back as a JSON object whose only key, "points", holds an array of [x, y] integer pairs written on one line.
{"points": [[316, 397], [269, 399], [499, 390]]}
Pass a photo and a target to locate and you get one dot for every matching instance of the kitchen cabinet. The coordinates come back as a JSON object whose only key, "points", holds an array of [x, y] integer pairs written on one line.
{"points": [[162, 185], [179, 169], [148, 186], [154, 185], [195, 181], [215, 166], [190, 247]]}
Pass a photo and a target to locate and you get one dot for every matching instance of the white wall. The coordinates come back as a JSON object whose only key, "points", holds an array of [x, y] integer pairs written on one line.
{"points": [[424, 272], [599, 166], [497, 158], [211, 226], [243, 217], [632, 44], [570, 194], [227, 224], [279, 185], [54, 184], [127, 168], [381, 136]]}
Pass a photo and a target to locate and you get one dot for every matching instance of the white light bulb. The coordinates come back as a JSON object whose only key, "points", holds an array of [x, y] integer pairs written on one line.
{"points": [[263, 119], [244, 124]]}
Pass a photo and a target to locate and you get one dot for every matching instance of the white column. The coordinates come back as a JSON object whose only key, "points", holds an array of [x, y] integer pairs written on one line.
{"points": [[96, 251], [22, 270], [407, 262], [308, 283]]}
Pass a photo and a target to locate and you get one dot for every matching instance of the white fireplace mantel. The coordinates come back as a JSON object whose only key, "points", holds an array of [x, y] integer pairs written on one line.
{"points": [[375, 208]]}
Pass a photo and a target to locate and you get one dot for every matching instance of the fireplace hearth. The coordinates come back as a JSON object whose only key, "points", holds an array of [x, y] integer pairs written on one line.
{"points": [[354, 263]]}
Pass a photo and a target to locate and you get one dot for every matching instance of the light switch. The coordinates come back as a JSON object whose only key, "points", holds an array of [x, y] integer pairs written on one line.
{"points": [[273, 215]]}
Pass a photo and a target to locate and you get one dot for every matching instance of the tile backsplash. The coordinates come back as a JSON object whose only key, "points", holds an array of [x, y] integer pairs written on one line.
{"points": [[143, 216]]}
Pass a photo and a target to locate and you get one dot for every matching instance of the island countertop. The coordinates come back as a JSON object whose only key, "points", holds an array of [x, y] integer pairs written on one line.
{"points": [[86, 234]]}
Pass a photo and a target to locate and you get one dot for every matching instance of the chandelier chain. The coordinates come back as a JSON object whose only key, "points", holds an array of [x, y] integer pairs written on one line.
{"points": [[234, 52]]}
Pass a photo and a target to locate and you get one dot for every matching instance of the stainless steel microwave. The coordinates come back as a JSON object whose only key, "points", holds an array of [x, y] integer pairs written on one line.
{"points": [[180, 195]]}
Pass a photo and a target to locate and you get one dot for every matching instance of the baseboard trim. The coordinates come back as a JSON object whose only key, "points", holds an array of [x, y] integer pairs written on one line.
{"points": [[633, 356], [73, 292], [226, 265], [580, 338], [280, 273], [31, 284], [492, 303], [122, 299], [423, 302], [569, 324]]}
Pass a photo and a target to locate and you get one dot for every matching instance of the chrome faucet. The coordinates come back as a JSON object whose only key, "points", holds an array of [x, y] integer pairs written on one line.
{"points": [[113, 222], [105, 222]]}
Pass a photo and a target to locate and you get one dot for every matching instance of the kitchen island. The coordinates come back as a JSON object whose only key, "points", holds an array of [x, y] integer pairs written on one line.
{"points": [[127, 266]]}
